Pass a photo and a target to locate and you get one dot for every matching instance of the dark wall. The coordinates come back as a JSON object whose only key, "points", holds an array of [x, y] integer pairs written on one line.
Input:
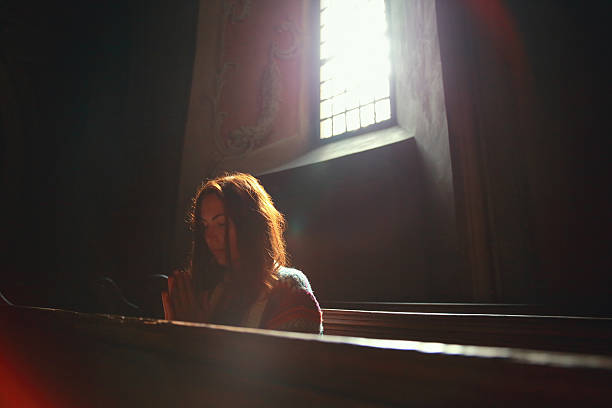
{"points": [[568, 163], [355, 224], [528, 82], [93, 111]]}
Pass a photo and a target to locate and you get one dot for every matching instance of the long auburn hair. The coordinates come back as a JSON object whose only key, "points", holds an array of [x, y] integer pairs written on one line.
{"points": [[259, 233]]}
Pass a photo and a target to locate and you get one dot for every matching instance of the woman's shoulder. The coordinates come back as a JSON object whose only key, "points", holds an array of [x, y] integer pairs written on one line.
{"points": [[293, 278], [292, 305]]}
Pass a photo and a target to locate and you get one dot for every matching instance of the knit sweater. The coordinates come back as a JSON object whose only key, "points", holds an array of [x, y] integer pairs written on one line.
{"points": [[289, 305]]}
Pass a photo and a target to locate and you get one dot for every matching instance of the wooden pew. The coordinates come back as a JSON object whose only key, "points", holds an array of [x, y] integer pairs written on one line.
{"points": [[558, 333], [469, 308], [61, 358]]}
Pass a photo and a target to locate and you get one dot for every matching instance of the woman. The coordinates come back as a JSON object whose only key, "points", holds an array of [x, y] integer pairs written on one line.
{"points": [[237, 273]]}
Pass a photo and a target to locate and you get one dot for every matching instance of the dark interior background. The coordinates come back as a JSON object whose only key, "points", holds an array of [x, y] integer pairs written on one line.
{"points": [[93, 104], [94, 108]]}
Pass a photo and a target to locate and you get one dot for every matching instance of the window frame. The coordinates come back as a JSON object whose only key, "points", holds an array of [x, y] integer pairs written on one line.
{"points": [[316, 79]]}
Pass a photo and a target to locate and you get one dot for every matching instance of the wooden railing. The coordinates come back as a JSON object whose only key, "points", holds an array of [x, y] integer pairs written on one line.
{"points": [[59, 358]]}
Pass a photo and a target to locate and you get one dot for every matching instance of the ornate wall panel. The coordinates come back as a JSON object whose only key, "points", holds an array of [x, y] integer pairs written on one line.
{"points": [[258, 93]]}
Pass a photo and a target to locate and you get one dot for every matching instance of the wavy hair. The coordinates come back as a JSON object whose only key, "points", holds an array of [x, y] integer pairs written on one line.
{"points": [[259, 234]]}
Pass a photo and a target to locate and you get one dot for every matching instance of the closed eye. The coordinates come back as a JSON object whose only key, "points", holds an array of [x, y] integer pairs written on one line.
{"points": [[218, 224], [218, 220]]}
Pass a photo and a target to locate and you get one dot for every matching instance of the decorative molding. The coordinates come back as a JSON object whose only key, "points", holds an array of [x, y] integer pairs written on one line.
{"points": [[246, 139], [233, 12], [219, 117]]}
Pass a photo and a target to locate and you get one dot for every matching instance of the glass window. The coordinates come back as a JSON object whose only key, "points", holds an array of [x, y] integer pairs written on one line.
{"points": [[355, 66]]}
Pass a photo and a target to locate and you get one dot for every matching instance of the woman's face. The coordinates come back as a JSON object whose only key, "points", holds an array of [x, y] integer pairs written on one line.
{"points": [[212, 213]]}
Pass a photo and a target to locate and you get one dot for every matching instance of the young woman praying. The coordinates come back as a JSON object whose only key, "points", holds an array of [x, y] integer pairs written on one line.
{"points": [[237, 273]]}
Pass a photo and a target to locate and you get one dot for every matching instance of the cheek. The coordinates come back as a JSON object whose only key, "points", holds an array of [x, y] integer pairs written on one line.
{"points": [[207, 236], [214, 237]]}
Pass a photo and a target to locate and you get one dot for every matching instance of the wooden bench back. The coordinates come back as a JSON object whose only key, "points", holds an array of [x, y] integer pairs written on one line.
{"points": [[466, 308], [60, 358], [558, 333]]}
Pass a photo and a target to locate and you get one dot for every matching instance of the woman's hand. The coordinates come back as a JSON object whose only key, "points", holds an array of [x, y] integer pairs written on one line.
{"points": [[181, 301]]}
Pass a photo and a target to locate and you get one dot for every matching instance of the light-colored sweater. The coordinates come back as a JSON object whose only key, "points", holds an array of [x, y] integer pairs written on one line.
{"points": [[289, 305]]}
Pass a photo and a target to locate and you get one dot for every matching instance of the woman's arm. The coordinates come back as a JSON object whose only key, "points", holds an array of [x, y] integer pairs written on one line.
{"points": [[300, 312]]}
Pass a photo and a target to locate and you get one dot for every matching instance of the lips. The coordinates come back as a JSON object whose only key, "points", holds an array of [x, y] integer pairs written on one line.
{"points": [[218, 251]]}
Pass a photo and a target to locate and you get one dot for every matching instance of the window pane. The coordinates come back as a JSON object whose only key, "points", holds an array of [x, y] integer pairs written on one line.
{"points": [[352, 99], [366, 94], [326, 128], [324, 33], [382, 89], [326, 109], [326, 71], [326, 90], [325, 11], [383, 110], [367, 115], [339, 85], [339, 124], [352, 120], [325, 51], [338, 105]]}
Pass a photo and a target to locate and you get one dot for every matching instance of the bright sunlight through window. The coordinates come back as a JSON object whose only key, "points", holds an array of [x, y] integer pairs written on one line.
{"points": [[355, 66]]}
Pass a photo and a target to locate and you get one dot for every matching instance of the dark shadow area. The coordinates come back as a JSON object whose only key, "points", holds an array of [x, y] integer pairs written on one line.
{"points": [[93, 108]]}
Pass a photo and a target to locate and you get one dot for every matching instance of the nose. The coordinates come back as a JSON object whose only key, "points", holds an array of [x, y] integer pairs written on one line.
{"points": [[214, 237]]}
